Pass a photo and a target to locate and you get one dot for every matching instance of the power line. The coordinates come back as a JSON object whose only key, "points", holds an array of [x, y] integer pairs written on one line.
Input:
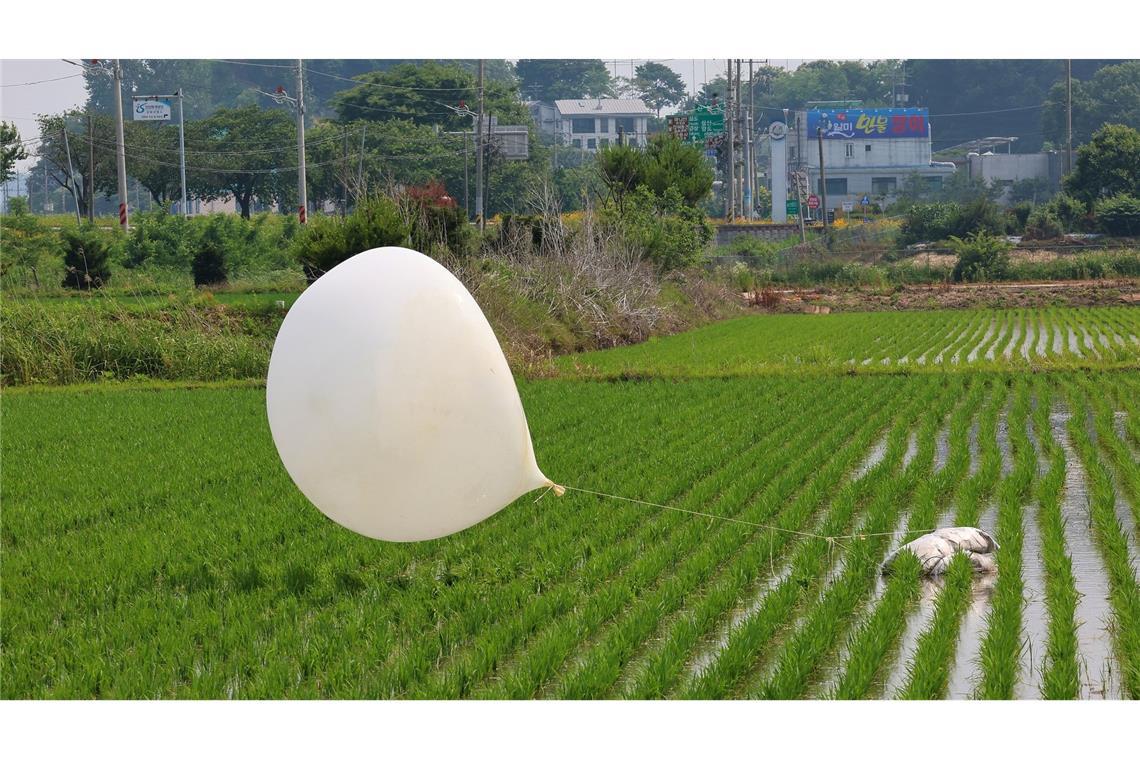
{"points": [[42, 81]]}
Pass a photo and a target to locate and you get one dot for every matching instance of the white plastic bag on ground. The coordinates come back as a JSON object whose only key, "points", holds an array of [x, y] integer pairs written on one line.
{"points": [[936, 550]]}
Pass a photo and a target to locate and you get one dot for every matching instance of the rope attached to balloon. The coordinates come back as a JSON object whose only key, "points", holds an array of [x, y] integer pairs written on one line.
{"points": [[559, 490]]}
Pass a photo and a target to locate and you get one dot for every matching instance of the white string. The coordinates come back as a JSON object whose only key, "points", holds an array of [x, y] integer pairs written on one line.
{"points": [[764, 526]]}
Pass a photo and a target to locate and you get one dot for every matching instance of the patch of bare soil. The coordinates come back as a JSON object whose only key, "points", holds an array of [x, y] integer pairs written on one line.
{"points": [[1005, 295]]}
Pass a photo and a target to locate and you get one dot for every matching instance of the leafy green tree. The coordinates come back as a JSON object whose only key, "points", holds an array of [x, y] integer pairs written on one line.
{"points": [[11, 150], [52, 151], [550, 79], [658, 85], [1111, 96], [1108, 165], [249, 153], [670, 163], [153, 159], [622, 168]]}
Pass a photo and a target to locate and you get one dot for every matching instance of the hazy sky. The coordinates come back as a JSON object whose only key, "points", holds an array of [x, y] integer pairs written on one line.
{"points": [[21, 103]]}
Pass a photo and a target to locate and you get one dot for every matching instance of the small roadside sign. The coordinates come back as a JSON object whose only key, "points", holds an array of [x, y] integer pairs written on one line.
{"points": [[866, 201], [848, 206], [792, 207], [813, 202]]}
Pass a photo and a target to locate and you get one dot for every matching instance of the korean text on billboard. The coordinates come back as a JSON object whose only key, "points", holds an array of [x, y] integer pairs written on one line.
{"points": [[863, 123]]}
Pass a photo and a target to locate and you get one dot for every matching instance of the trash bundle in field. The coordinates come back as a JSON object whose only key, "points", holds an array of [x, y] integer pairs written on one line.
{"points": [[935, 550]]}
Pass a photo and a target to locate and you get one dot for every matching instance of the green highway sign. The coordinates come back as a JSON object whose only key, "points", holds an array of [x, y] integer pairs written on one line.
{"points": [[704, 124], [792, 207]]}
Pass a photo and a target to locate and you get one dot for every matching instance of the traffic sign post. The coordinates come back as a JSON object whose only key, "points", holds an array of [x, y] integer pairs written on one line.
{"points": [[813, 201], [792, 207]]}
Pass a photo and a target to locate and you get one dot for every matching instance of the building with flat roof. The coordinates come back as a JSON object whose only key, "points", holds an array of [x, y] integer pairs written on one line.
{"points": [[868, 153], [594, 123]]}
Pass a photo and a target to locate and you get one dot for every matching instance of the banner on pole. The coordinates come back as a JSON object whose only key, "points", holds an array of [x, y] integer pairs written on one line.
{"points": [[152, 109]]}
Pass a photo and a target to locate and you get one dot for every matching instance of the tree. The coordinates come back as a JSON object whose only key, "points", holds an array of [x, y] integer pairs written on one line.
{"points": [[622, 169], [74, 175], [671, 163], [1108, 165], [153, 159], [550, 79], [249, 153], [658, 85], [1111, 96], [11, 150]]}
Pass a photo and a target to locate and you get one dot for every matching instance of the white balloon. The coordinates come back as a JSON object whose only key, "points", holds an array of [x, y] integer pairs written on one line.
{"points": [[391, 403]]}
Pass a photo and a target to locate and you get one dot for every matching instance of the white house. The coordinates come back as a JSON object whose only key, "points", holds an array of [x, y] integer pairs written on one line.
{"points": [[594, 123]]}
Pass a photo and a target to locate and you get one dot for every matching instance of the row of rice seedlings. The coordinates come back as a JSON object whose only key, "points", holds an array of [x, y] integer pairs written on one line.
{"points": [[487, 614], [988, 350], [904, 336], [605, 660], [1126, 394], [1124, 591], [944, 331], [609, 568], [929, 670], [803, 653], [664, 665], [1060, 672], [1000, 652], [740, 480], [947, 353], [928, 675], [877, 638], [1126, 466], [740, 655]]}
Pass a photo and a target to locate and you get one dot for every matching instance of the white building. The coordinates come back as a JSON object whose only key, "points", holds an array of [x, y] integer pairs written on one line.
{"points": [[594, 123], [867, 152], [1003, 169]]}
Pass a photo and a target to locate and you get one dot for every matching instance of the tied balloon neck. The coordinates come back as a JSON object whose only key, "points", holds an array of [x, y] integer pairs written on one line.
{"points": [[558, 490]]}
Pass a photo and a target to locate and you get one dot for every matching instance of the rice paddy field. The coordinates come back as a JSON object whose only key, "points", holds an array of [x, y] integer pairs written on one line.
{"points": [[154, 547]]}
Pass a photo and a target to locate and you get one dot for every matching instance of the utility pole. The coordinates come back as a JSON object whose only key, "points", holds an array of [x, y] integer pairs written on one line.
{"points": [[344, 178], [360, 170], [182, 150], [730, 197], [303, 208], [1069, 114], [71, 175], [749, 175], [120, 148], [479, 155], [466, 164], [90, 167], [823, 188]]}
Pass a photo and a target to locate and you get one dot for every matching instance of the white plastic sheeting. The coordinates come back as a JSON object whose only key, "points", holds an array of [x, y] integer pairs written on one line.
{"points": [[936, 550]]}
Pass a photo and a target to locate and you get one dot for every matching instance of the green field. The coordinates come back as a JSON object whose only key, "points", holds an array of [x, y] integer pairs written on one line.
{"points": [[153, 546]]}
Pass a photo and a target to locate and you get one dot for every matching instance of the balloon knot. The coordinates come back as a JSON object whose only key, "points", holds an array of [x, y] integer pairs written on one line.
{"points": [[558, 490]]}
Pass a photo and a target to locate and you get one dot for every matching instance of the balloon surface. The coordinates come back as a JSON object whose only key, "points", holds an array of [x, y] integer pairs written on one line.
{"points": [[391, 403]]}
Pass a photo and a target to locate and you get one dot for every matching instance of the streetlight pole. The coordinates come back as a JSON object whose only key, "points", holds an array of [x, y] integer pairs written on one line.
{"points": [[822, 184], [301, 189], [120, 149]]}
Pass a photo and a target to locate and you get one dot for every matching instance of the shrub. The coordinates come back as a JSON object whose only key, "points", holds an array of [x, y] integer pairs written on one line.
{"points": [[436, 222], [980, 215], [86, 257], [1017, 217], [664, 230], [326, 241], [1119, 215], [24, 242], [1069, 211], [158, 238], [981, 257], [209, 266], [1043, 224], [929, 221]]}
